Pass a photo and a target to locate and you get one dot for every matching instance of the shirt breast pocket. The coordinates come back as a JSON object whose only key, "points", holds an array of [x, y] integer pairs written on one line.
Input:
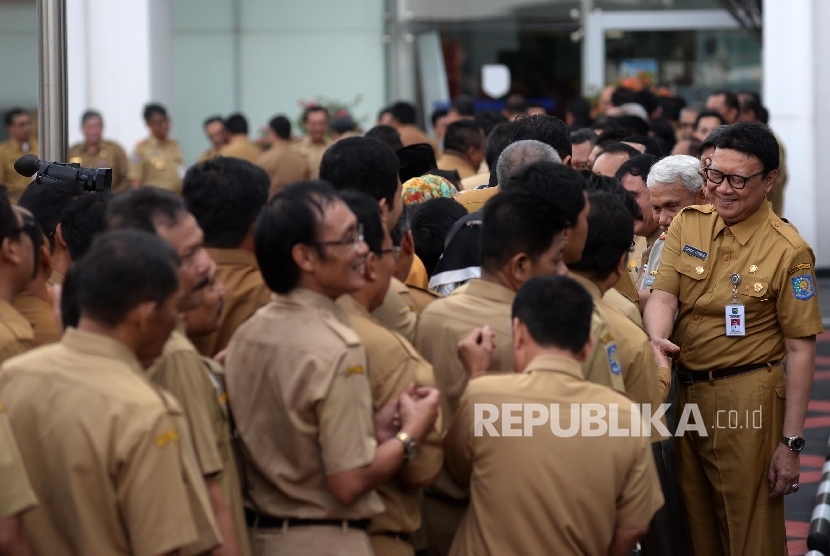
{"points": [[693, 278], [754, 293]]}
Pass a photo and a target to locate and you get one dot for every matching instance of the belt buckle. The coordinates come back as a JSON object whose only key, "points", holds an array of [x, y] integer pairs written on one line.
{"points": [[683, 376]]}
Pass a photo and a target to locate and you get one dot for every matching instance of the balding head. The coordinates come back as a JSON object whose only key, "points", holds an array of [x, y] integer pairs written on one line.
{"points": [[522, 153]]}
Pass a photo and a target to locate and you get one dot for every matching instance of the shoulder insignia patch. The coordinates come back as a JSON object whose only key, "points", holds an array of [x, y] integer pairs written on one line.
{"points": [[614, 359], [607, 338], [802, 266], [803, 287], [356, 370], [166, 438], [695, 252]]}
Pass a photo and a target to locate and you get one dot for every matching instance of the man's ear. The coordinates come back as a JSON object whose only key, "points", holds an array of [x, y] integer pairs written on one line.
{"points": [[59, 235], [10, 251], [622, 266], [371, 264], [567, 160], [407, 243], [141, 316], [384, 210], [519, 268], [770, 181], [305, 256], [700, 196], [586, 350], [45, 258]]}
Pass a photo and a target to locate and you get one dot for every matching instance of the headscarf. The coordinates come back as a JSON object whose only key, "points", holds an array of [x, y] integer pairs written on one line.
{"points": [[424, 188]]}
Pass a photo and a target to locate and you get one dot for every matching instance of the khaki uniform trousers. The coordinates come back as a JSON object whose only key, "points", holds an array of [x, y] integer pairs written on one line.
{"points": [[388, 545], [306, 540], [723, 476], [441, 520]]}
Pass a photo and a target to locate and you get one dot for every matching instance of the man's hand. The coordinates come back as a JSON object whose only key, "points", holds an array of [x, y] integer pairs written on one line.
{"points": [[665, 347], [661, 360], [419, 411], [221, 356], [388, 421], [784, 471], [476, 351]]}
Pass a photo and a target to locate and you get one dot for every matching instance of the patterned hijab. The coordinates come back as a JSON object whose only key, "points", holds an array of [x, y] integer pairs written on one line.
{"points": [[424, 188]]}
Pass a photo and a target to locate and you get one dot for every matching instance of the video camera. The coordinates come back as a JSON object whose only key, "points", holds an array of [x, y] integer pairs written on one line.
{"points": [[57, 173]]}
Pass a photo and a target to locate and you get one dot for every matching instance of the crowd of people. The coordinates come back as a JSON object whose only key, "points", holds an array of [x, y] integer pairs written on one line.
{"points": [[290, 348]]}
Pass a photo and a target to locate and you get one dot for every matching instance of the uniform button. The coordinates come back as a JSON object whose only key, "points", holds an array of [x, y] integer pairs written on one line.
{"points": [[688, 268], [727, 232], [746, 288], [777, 224], [684, 349], [695, 317], [725, 258]]}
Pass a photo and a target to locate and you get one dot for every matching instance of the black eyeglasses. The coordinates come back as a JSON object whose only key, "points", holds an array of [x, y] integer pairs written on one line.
{"points": [[736, 181], [395, 250], [354, 241]]}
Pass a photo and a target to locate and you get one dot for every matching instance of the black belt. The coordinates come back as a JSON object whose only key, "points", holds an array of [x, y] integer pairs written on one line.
{"points": [[262, 521], [685, 376]]}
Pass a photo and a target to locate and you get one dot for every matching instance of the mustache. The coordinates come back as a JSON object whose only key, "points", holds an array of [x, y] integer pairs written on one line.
{"points": [[200, 285]]}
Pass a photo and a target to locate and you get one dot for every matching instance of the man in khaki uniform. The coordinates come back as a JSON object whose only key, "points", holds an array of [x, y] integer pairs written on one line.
{"points": [[157, 160], [403, 116], [315, 143], [633, 175], [283, 164], [18, 123], [34, 302], [16, 494], [238, 145], [742, 283], [463, 148], [393, 366], [84, 403], [551, 336], [216, 133], [298, 387], [179, 369], [96, 152], [18, 234]]}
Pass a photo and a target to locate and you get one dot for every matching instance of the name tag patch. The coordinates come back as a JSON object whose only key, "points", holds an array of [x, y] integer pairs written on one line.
{"points": [[802, 266], [356, 370], [614, 359], [695, 252], [166, 438], [803, 287]]}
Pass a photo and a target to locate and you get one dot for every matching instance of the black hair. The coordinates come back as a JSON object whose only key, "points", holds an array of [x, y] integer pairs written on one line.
{"points": [[709, 141], [730, 98], [557, 312], [237, 124], [89, 114], [291, 217], [583, 136], [580, 109], [647, 100], [638, 165], [464, 105], [515, 103], [610, 135], [386, 134], [497, 141], [8, 119], [368, 215], [462, 135], [622, 95], [607, 184], [213, 119], [363, 164], [225, 195], [384, 110], [709, 114], [46, 201], [751, 104], [70, 312], [153, 108], [662, 128], [404, 112], [610, 233], [560, 185], [82, 220], [144, 208], [618, 147], [694, 148], [488, 119], [8, 219], [343, 124], [402, 226], [430, 224], [671, 107], [516, 222], [437, 115], [550, 130], [122, 270], [753, 139], [634, 124], [650, 144], [315, 108], [281, 126]]}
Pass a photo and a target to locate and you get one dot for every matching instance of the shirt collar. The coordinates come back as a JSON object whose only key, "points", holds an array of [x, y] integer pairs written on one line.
{"points": [[309, 298], [9, 314], [241, 257], [491, 291], [592, 288], [745, 229], [654, 236], [100, 345], [353, 307], [556, 363]]}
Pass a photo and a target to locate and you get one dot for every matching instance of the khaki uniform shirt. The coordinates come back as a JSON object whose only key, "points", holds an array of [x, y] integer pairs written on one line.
{"points": [[417, 276], [284, 165], [245, 292], [297, 384], [240, 147], [625, 285], [41, 315], [16, 335], [476, 199], [422, 298], [108, 155], [651, 263], [207, 155], [454, 162], [10, 151], [158, 164], [16, 494], [777, 287], [551, 494], [412, 135], [476, 180], [622, 303], [313, 153], [84, 404], [644, 253], [398, 311], [393, 364], [55, 279]]}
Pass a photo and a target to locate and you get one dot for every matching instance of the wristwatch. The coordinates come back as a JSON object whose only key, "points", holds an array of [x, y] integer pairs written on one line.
{"points": [[410, 448], [794, 443]]}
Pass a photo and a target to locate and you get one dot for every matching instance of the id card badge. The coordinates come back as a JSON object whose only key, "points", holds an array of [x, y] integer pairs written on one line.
{"points": [[735, 320]]}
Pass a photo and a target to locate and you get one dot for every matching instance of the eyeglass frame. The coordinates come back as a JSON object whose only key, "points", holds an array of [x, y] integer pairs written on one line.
{"points": [[728, 177], [396, 250], [354, 242]]}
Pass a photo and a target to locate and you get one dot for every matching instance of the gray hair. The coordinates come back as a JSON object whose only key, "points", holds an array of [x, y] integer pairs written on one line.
{"points": [[522, 153], [678, 167]]}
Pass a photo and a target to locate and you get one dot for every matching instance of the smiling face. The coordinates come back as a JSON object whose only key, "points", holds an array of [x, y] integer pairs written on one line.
{"points": [[340, 266], [669, 199], [187, 239], [736, 205], [637, 187]]}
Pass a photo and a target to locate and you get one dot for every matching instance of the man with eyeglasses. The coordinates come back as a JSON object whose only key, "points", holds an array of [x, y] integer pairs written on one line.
{"points": [[314, 450], [18, 123], [742, 283]]}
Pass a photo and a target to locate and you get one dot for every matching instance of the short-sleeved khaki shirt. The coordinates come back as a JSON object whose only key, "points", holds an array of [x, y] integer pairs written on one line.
{"points": [[245, 292], [393, 363], [41, 315], [84, 404], [623, 304], [399, 311], [10, 151], [475, 199], [451, 161], [650, 264], [16, 335], [777, 286], [16, 494], [412, 135], [313, 153], [240, 147], [284, 165], [108, 154], [297, 384], [422, 298], [159, 164], [548, 493]]}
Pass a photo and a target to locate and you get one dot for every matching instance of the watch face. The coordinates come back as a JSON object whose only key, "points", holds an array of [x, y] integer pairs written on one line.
{"points": [[797, 444]]}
